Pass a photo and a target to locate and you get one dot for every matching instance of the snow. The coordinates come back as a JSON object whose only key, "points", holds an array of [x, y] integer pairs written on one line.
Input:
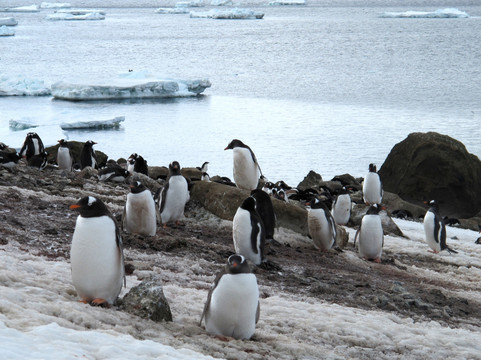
{"points": [[8, 21], [66, 16], [30, 8], [440, 13], [175, 10], [236, 13], [95, 124], [287, 2], [5, 31], [47, 5], [21, 86]]}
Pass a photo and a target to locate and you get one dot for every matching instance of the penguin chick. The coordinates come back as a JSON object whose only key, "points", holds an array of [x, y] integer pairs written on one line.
{"points": [[139, 211], [321, 224], [174, 196], [64, 156], [371, 236], [372, 187], [87, 156], [341, 207], [435, 229]]}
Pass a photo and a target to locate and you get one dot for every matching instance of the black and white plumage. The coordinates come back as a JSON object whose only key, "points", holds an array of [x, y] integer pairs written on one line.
{"points": [[87, 155], [204, 168], [265, 209], [8, 159], [372, 187], [371, 235], [321, 224], [435, 229], [96, 254], [232, 307], [136, 163], [139, 212], [246, 168], [173, 196], [114, 173], [64, 156], [478, 240], [32, 146], [341, 207], [248, 232], [38, 161]]}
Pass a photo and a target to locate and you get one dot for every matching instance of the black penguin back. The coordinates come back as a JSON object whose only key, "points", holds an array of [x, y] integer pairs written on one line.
{"points": [[265, 209]]}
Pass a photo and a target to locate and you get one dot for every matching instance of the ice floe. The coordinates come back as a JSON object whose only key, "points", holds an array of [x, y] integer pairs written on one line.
{"points": [[95, 124], [47, 5], [440, 13], [79, 12], [228, 14], [20, 86], [191, 3], [6, 31], [67, 16], [30, 8], [221, 2], [23, 124], [287, 2], [172, 10], [8, 21]]}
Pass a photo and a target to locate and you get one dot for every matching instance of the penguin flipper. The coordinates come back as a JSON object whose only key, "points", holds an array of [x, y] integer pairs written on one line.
{"points": [[209, 296], [258, 311], [357, 233], [163, 197]]}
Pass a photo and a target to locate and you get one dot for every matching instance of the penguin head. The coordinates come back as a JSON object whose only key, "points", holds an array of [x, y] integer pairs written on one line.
{"points": [[249, 204], [90, 143], [433, 204], [237, 264], [32, 135], [174, 168], [63, 142], [3, 146], [235, 143], [372, 168], [137, 187], [90, 206], [316, 203], [374, 209]]}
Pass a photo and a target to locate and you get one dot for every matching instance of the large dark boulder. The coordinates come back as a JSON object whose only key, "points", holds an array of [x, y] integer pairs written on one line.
{"points": [[75, 149], [428, 166]]}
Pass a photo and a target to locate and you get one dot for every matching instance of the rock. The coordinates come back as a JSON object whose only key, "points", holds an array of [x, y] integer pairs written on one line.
{"points": [[312, 181], [348, 181], [158, 172], [388, 225], [75, 148], [148, 301], [333, 186], [87, 173], [428, 166], [393, 202], [148, 182], [192, 174]]}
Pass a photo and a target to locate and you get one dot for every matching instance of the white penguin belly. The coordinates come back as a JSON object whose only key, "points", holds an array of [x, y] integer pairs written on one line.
{"points": [[233, 306], [246, 171], [36, 146], [320, 229], [176, 198], [64, 160], [371, 237], [96, 261], [429, 226], [341, 212], [140, 214], [241, 233], [371, 189]]}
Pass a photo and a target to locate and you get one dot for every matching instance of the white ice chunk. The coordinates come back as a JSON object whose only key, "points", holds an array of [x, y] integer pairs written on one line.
{"points": [[65, 16], [228, 14], [221, 2], [8, 21], [175, 10], [440, 14], [5, 31], [18, 85], [95, 124], [191, 3], [47, 5], [30, 8], [22, 124], [287, 2], [80, 11]]}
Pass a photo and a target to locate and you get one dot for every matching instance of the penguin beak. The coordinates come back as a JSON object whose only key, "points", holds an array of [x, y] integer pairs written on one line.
{"points": [[227, 148], [74, 206]]}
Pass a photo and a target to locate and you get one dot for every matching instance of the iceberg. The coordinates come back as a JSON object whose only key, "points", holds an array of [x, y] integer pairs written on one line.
{"points": [[8, 21], [21, 124], [191, 3], [176, 10], [66, 16], [47, 5], [5, 31], [439, 14], [30, 8], [19, 86], [287, 2], [228, 14], [99, 124]]}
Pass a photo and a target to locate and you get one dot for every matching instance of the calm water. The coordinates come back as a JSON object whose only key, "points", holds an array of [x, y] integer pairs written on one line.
{"points": [[309, 87]]}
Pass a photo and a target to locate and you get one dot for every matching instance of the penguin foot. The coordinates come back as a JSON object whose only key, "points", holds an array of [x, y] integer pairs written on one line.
{"points": [[99, 302], [377, 260], [223, 338], [433, 251]]}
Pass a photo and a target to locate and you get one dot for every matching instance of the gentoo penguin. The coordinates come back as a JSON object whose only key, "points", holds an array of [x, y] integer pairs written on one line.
{"points": [[232, 307], [205, 177], [9, 159], [136, 163], [96, 255], [131, 162], [372, 187], [64, 156], [435, 229], [371, 236], [39, 161], [248, 232], [139, 211], [265, 209], [204, 168], [32, 145], [478, 240], [114, 173], [341, 207], [321, 225], [87, 155], [246, 168], [174, 196]]}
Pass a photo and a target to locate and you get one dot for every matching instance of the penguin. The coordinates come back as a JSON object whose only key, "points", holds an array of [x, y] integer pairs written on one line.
{"points": [[248, 232], [478, 240], [204, 168], [435, 229], [87, 156], [114, 173], [372, 188], [64, 156], [3, 146], [96, 254], [174, 196], [39, 161], [32, 146], [139, 211], [341, 207], [246, 167], [232, 307], [371, 235], [205, 177], [9, 159], [140, 166], [321, 225], [131, 162], [280, 194], [265, 209]]}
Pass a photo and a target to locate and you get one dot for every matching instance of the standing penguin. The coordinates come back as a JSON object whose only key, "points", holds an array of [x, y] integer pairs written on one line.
{"points": [[174, 196], [248, 232], [321, 224], [131, 162], [246, 168], [371, 236], [265, 209], [372, 187], [32, 145], [341, 208], [96, 255], [232, 307], [435, 229], [139, 211], [87, 156], [64, 156]]}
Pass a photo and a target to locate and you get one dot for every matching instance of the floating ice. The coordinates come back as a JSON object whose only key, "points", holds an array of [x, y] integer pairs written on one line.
{"points": [[99, 124], [18, 86], [287, 2], [440, 13], [5, 31], [30, 8], [175, 10], [66, 16], [21, 124], [191, 3], [221, 2], [8, 21], [47, 5], [228, 14], [80, 11]]}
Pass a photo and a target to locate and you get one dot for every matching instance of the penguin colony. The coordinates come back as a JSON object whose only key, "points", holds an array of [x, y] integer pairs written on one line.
{"points": [[232, 307]]}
